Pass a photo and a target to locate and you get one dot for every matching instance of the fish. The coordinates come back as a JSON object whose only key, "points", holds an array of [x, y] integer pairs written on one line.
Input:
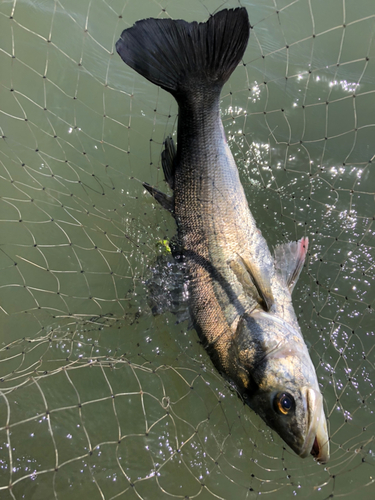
{"points": [[238, 291]]}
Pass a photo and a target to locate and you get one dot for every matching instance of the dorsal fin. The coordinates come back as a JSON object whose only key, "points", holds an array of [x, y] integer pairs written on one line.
{"points": [[165, 201], [167, 160]]}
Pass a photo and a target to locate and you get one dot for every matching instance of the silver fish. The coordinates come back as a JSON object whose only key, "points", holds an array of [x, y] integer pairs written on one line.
{"points": [[239, 294]]}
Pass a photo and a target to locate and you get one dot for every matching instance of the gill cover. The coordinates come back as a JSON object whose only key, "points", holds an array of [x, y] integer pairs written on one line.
{"points": [[274, 373]]}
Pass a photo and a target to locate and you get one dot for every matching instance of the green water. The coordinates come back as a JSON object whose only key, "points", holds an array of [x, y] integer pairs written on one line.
{"points": [[98, 398]]}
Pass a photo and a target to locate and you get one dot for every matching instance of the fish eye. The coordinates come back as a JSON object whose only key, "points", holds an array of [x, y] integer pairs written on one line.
{"points": [[283, 403]]}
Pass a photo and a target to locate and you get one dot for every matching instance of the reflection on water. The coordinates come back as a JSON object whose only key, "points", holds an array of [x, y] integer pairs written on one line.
{"points": [[100, 399]]}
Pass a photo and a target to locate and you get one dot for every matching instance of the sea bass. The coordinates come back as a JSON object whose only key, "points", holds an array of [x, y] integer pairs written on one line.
{"points": [[239, 293]]}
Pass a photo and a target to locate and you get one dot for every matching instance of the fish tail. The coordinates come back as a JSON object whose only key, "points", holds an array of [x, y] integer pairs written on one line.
{"points": [[180, 56]]}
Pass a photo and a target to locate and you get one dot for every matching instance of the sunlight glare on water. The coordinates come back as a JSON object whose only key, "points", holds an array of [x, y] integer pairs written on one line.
{"points": [[98, 398]]}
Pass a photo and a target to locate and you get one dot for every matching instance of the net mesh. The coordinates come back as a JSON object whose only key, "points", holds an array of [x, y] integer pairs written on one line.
{"points": [[98, 398]]}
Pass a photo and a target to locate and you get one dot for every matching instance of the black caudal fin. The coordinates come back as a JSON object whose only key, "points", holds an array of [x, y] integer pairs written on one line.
{"points": [[178, 56]]}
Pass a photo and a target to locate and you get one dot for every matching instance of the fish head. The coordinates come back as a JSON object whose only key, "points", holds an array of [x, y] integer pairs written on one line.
{"points": [[297, 415], [277, 379]]}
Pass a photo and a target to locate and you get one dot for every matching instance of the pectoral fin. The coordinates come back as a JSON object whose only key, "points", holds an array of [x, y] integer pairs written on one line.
{"points": [[254, 282], [239, 269], [290, 258], [165, 201]]}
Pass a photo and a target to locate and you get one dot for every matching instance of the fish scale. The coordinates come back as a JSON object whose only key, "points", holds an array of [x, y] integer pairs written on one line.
{"points": [[212, 214]]}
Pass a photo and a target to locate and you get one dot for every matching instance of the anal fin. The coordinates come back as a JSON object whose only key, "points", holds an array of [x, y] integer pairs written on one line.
{"points": [[290, 258]]}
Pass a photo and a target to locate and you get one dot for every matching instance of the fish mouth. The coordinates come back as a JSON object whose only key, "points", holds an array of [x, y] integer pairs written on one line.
{"points": [[316, 441]]}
